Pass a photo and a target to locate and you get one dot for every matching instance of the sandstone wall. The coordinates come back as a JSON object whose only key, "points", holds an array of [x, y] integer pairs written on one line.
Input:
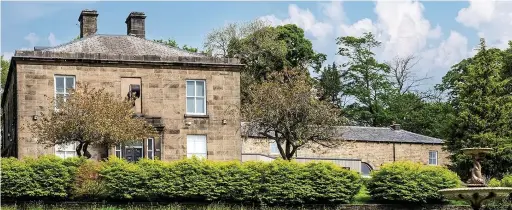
{"points": [[373, 153], [163, 95]]}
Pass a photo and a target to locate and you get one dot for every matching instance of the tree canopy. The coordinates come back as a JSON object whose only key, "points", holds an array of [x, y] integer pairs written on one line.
{"points": [[5, 70], [88, 117], [482, 102], [173, 43], [285, 109]]}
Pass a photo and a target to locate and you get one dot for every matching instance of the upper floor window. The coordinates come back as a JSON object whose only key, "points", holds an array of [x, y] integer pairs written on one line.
{"points": [[62, 86], [432, 157], [196, 97]]}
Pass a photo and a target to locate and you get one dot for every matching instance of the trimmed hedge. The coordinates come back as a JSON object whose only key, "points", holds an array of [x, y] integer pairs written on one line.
{"points": [[276, 183], [408, 182]]}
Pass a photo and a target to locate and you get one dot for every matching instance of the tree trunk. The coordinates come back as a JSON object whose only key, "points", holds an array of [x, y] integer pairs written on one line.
{"points": [[79, 149], [87, 154]]}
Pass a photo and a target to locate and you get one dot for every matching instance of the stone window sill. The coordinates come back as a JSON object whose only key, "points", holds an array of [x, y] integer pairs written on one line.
{"points": [[196, 116]]}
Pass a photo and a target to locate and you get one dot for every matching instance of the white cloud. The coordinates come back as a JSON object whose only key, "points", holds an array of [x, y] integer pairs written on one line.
{"points": [[492, 19], [52, 40], [401, 27], [304, 19], [32, 38]]}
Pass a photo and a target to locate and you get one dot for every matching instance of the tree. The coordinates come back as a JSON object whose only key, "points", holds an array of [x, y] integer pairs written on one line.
{"points": [[403, 77], [90, 117], [483, 107], [217, 42], [329, 82], [174, 44], [5, 70], [284, 109], [365, 80]]}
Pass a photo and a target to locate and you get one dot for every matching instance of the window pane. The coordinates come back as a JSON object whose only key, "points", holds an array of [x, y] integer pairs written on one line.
{"points": [[150, 156], [190, 88], [196, 144], [70, 154], [118, 154], [59, 84], [200, 105], [118, 147], [273, 148], [190, 105], [60, 154], [70, 82], [150, 144], [199, 88], [365, 169]]}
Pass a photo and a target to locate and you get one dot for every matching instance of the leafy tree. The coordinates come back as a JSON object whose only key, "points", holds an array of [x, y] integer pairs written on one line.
{"points": [[90, 117], [5, 70], [329, 82], [416, 114], [217, 42], [173, 43], [365, 80], [300, 53], [483, 107], [284, 109]]}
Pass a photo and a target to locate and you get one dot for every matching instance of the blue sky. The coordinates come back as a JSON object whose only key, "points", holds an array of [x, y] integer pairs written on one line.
{"points": [[440, 33]]}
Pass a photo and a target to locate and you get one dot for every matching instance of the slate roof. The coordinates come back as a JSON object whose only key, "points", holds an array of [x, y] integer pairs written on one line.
{"points": [[373, 134], [120, 44]]}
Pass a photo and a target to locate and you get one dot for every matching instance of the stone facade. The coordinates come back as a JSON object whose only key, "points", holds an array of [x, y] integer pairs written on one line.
{"points": [[373, 153], [163, 95]]}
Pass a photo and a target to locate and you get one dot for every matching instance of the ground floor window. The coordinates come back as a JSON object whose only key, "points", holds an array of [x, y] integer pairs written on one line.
{"points": [[273, 148], [148, 148], [66, 150], [432, 157], [366, 169], [196, 146]]}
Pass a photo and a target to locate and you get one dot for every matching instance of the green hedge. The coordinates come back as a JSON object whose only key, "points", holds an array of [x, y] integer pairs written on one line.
{"points": [[275, 183], [408, 182], [45, 177]]}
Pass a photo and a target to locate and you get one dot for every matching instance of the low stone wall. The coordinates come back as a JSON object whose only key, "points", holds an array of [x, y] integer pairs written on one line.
{"points": [[401, 207]]}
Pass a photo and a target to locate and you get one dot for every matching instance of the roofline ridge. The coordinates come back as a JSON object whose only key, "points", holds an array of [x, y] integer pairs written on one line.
{"points": [[70, 42], [423, 135]]}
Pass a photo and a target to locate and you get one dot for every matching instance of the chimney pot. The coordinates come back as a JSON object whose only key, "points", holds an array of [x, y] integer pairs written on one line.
{"points": [[395, 126], [88, 22], [135, 24]]}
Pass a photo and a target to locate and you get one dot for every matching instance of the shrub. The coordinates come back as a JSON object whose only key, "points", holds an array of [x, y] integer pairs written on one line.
{"points": [[87, 185], [330, 183], [17, 179], [407, 182], [275, 183], [45, 177]]}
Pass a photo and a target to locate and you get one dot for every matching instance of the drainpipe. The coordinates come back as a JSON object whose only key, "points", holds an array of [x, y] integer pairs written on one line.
{"points": [[394, 153]]}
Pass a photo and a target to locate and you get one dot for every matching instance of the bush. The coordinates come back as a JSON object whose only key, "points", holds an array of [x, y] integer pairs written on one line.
{"points": [[505, 203], [407, 182], [275, 183], [45, 177]]}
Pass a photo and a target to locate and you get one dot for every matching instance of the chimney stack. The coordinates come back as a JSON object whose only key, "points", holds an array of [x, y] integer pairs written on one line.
{"points": [[88, 22], [135, 24]]}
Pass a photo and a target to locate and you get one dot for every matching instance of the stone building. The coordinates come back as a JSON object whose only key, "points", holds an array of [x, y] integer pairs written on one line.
{"points": [[363, 149], [188, 97]]}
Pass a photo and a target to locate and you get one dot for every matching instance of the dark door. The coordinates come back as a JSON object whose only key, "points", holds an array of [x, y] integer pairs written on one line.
{"points": [[133, 154]]}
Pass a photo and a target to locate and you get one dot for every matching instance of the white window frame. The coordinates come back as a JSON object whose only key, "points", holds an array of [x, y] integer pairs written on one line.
{"points": [[152, 149], [191, 140], [66, 93], [433, 157], [57, 150], [276, 152], [119, 148], [195, 96]]}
